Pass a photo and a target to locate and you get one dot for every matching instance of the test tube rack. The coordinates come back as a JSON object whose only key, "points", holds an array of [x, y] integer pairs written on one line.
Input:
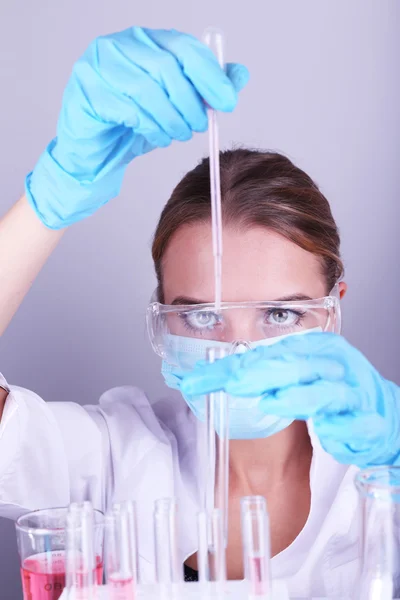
{"points": [[121, 554], [233, 590]]}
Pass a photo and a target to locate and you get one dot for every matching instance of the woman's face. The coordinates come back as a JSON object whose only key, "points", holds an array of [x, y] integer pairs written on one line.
{"points": [[257, 265]]}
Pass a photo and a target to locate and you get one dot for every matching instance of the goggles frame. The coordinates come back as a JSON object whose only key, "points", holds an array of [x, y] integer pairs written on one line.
{"points": [[157, 310]]}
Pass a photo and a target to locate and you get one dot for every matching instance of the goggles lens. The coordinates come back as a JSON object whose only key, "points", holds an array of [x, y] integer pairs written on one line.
{"points": [[203, 326]]}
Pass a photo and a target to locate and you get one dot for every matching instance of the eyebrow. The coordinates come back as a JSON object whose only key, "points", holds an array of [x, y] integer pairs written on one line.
{"points": [[185, 300], [293, 298]]}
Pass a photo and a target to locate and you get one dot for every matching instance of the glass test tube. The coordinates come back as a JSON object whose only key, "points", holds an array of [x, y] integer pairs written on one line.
{"points": [[81, 561], [211, 554], [121, 551], [202, 551], [379, 494], [216, 547], [217, 431], [169, 569], [256, 545]]}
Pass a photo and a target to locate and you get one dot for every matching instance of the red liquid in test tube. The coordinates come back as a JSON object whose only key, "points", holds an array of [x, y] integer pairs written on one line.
{"points": [[43, 576], [121, 551], [121, 588], [259, 582], [256, 545]]}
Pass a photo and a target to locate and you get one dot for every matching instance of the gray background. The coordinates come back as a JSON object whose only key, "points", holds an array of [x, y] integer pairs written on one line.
{"points": [[324, 90]]}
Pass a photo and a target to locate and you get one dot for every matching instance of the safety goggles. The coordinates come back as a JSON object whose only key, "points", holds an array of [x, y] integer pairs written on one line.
{"points": [[177, 331]]}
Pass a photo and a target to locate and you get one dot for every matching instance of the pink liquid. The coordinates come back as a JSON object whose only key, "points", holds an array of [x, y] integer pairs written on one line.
{"points": [[258, 575], [120, 588], [44, 581]]}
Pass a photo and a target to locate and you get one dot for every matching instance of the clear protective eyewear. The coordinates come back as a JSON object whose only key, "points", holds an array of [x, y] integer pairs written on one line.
{"points": [[190, 329]]}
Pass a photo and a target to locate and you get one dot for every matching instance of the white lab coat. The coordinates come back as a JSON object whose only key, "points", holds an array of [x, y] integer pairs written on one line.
{"points": [[124, 447]]}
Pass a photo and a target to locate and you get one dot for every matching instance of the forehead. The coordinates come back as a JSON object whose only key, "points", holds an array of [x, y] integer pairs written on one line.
{"points": [[257, 264]]}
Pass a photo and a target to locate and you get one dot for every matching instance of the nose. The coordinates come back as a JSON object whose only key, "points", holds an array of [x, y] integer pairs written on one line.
{"points": [[241, 327]]}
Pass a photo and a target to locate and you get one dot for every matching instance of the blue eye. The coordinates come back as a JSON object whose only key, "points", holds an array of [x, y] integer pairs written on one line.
{"points": [[283, 317], [200, 320]]}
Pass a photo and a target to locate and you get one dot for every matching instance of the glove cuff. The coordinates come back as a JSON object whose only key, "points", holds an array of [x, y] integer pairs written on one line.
{"points": [[59, 199]]}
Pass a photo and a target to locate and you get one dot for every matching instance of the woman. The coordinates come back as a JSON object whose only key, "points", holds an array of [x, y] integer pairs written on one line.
{"points": [[130, 93]]}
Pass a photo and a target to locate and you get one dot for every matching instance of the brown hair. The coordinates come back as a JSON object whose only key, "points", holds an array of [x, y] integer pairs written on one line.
{"points": [[257, 189]]}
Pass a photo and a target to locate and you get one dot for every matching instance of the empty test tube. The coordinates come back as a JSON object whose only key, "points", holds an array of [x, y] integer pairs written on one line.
{"points": [[202, 552], [81, 581], [211, 555], [169, 570], [216, 546], [256, 545], [121, 551]]}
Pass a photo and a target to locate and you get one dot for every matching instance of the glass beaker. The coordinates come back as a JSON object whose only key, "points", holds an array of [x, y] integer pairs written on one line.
{"points": [[41, 537], [379, 491]]}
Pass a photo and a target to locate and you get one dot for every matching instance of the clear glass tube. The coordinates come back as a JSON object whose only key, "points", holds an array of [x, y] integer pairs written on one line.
{"points": [[216, 547], [121, 551], [202, 551], [379, 493], [81, 581], [217, 417], [211, 554], [213, 38], [168, 566], [256, 545]]}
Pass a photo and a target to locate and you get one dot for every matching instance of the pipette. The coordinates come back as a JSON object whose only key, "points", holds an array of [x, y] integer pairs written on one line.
{"points": [[81, 563], [256, 545], [121, 551], [213, 38]]}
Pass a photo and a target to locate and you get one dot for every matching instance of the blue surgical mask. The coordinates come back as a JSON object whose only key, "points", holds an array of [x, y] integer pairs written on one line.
{"points": [[246, 419]]}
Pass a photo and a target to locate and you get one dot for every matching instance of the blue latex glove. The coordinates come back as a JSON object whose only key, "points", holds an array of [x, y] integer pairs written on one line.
{"points": [[356, 412], [130, 92]]}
